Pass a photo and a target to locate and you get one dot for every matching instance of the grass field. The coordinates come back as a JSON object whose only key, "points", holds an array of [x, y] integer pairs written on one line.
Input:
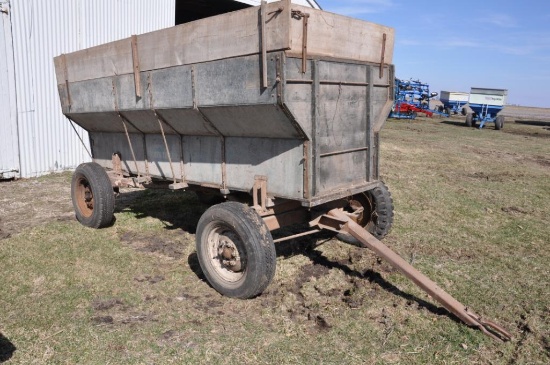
{"points": [[472, 212]]}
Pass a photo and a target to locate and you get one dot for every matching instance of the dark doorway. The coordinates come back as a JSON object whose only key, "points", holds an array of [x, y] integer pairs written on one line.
{"points": [[190, 10]]}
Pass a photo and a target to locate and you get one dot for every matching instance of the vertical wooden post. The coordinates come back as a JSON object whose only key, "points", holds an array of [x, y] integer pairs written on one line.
{"points": [[382, 56], [135, 59]]}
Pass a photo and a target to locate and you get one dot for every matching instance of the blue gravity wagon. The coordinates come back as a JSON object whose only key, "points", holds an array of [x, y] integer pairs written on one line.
{"points": [[486, 104], [453, 102]]}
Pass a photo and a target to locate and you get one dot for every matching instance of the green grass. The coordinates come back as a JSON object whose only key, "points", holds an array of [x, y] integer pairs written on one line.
{"points": [[471, 212]]}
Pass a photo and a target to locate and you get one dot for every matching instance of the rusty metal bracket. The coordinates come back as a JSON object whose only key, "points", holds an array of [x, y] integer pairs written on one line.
{"points": [[79, 136], [297, 14], [263, 42], [338, 220], [383, 55], [259, 194], [66, 78], [137, 71]]}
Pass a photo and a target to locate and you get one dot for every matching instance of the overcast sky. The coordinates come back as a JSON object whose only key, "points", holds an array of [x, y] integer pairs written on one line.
{"points": [[454, 45]]}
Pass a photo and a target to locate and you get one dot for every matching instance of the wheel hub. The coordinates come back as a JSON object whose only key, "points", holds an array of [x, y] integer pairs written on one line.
{"points": [[89, 198], [228, 254]]}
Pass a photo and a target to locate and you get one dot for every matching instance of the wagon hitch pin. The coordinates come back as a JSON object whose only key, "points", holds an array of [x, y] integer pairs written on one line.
{"points": [[346, 224]]}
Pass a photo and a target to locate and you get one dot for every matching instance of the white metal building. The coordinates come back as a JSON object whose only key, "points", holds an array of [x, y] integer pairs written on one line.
{"points": [[35, 137]]}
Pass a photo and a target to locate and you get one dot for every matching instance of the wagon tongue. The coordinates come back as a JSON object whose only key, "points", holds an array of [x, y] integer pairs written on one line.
{"points": [[337, 219]]}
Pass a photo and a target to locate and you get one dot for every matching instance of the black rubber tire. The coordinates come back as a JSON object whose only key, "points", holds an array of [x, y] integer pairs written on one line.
{"points": [[248, 235], [92, 195], [499, 122], [469, 120], [378, 205], [447, 111]]}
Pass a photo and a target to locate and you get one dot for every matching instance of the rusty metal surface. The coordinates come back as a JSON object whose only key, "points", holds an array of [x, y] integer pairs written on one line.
{"points": [[341, 221]]}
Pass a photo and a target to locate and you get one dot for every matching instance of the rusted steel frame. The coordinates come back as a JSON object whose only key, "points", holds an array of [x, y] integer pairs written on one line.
{"points": [[259, 193], [370, 121], [280, 83], [297, 14], [344, 223], [123, 119], [339, 194], [382, 56], [166, 147], [208, 123], [306, 169], [307, 233], [288, 218], [135, 60], [79, 137], [263, 42], [343, 151], [161, 120], [316, 161], [328, 82], [66, 77]]}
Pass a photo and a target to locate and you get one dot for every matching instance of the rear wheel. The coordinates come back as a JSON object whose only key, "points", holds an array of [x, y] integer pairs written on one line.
{"points": [[499, 122], [92, 195], [374, 210], [469, 120], [235, 250], [447, 111]]}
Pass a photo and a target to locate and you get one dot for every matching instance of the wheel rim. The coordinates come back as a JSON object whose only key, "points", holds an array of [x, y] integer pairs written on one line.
{"points": [[225, 253], [363, 206], [84, 197]]}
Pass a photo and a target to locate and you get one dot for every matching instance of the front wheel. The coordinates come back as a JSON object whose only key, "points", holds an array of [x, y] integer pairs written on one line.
{"points": [[499, 122], [92, 195], [235, 250], [375, 209]]}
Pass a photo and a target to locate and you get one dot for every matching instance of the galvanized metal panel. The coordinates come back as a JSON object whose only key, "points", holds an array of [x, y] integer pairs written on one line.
{"points": [[242, 74], [268, 121], [159, 164], [9, 149], [203, 159], [280, 160], [42, 30], [105, 144]]}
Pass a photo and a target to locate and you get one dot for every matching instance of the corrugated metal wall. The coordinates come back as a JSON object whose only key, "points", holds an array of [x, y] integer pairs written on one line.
{"points": [[9, 149], [44, 29]]}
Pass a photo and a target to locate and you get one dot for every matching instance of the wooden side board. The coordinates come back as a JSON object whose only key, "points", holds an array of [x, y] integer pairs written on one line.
{"points": [[232, 35], [340, 37]]}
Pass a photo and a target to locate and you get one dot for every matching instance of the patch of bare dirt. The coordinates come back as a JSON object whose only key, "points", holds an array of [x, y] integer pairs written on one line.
{"points": [[114, 311], [28, 203], [149, 243]]}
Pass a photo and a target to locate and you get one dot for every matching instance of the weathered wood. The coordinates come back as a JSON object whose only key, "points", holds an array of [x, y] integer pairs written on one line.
{"points": [[333, 35], [232, 35], [135, 62]]}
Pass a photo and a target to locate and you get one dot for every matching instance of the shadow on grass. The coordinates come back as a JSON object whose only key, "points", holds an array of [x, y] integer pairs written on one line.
{"points": [[6, 348], [455, 123], [375, 277], [182, 210], [176, 209], [539, 123]]}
